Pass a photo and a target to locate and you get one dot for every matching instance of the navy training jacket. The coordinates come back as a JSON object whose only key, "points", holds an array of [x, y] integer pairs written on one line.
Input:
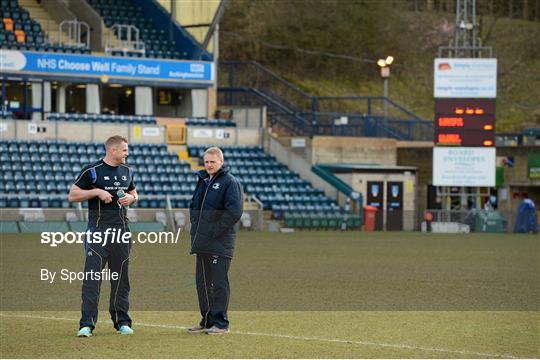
{"points": [[214, 210]]}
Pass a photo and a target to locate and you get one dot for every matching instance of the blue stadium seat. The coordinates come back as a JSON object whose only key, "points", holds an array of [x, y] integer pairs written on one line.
{"points": [[105, 118], [53, 165], [13, 203]]}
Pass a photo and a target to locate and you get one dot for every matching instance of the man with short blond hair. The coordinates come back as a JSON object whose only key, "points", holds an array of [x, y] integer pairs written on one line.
{"points": [[114, 141], [108, 187], [215, 151], [215, 208]]}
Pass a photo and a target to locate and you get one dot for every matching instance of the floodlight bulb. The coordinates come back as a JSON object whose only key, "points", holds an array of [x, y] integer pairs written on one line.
{"points": [[389, 60], [381, 62]]}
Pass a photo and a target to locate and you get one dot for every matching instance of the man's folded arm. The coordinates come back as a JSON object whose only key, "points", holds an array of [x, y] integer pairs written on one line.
{"points": [[232, 210]]}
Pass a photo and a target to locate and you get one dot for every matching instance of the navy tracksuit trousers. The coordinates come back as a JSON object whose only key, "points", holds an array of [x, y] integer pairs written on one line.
{"points": [[211, 274], [116, 255]]}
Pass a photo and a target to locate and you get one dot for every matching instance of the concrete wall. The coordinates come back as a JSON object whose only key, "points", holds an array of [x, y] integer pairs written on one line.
{"points": [[7, 129], [422, 159], [296, 161], [135, 133], [353, 150], [71, 131], [286, 141], [102, 133], [344, 150], [34, 130], [248, 136], [222, 136], [75, 131], [253, 118]]}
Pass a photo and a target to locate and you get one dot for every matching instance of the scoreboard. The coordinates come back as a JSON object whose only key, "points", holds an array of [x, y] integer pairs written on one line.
{"points": [[465, 122], [464, 153]]}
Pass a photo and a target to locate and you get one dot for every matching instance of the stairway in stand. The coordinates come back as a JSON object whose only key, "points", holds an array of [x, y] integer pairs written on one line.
{"points": [[48, 24]]}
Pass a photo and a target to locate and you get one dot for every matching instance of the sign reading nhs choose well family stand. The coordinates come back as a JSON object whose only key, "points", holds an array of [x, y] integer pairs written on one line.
{"points": [[27, 62]]}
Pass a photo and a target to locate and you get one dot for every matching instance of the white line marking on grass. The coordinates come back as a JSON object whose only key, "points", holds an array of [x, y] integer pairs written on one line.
{"points": [[290, 337]]}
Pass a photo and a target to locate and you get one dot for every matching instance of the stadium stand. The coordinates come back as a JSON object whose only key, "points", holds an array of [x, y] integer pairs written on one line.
{"points": [[102, 118], [278, 188], [126, 13], [48, 168], [18, 31], [321, 220], [37, 174]]}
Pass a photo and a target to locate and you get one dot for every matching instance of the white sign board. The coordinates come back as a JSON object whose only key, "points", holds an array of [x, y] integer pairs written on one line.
{"points": [[298, 142], [203, 133], [150, 131], [463, 166], [32, 128], [465, 78]]}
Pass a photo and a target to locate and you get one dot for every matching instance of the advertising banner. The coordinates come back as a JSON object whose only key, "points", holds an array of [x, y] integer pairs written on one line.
{"points": [[463, 166], [35, 63], [465, 78]]}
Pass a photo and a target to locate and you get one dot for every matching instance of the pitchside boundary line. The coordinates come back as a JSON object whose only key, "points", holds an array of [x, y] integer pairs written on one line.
{"points": [[290, 337]]}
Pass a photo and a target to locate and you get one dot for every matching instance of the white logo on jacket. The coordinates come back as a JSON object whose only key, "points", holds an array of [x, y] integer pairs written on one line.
{"points": [[215, 186]]}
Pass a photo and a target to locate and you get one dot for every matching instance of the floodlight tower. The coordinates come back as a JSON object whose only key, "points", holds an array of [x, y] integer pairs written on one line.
{"points": [[465, 33], [465, 43]]}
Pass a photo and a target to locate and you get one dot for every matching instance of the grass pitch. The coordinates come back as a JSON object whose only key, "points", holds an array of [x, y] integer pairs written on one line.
{"points": [[306, 294]]}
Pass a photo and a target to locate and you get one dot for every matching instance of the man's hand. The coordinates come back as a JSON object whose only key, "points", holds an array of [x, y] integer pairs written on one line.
{"points": [[127, 200], [103, 195]]}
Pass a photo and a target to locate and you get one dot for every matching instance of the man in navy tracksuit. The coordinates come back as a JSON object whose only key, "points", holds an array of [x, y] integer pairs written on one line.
{"points": [[100, 184], [215, 208]]}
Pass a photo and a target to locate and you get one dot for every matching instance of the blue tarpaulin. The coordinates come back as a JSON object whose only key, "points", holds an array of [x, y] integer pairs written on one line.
{"points": [[527, 220]]}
